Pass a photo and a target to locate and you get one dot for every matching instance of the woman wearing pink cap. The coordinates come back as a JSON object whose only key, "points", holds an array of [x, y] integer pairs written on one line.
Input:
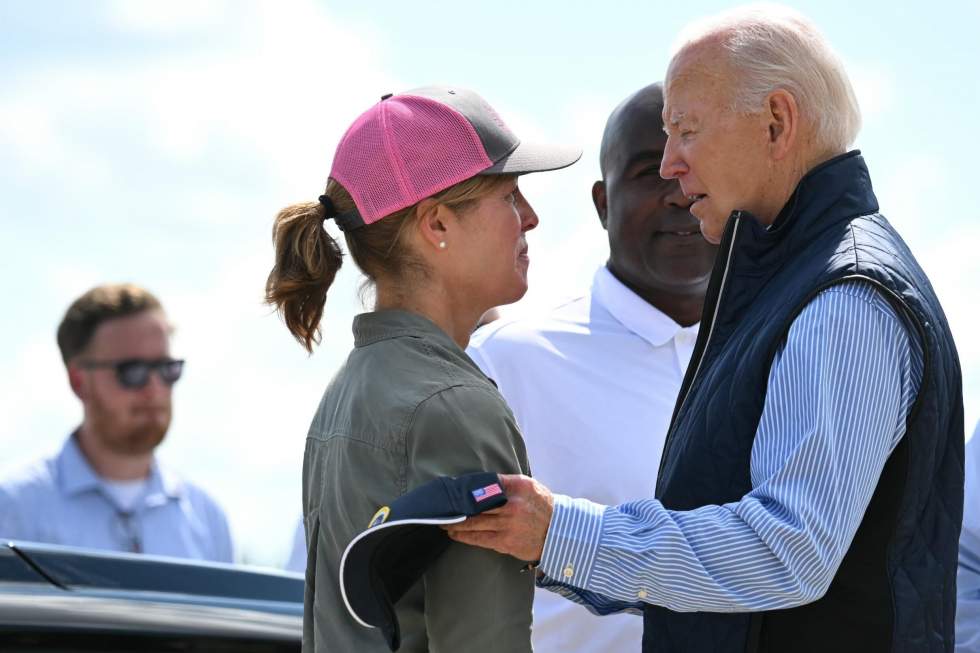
{"points": [[424, 188]]}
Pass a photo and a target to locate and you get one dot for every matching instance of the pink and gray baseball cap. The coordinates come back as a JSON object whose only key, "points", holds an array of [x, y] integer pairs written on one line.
{"points": [[415, 144]]}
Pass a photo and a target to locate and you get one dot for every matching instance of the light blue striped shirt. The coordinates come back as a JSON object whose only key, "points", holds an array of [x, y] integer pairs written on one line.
{"points": [[839, 392]]}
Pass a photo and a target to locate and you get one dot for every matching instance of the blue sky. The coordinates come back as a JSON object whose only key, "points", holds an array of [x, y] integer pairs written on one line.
{"points": [[154, 142]]}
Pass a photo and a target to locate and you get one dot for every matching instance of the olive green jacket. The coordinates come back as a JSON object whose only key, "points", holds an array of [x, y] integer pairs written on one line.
{"points": [[408, 406]]}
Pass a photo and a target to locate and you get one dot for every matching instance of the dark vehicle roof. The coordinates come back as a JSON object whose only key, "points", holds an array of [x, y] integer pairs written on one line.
{"points": [[46, 587]]}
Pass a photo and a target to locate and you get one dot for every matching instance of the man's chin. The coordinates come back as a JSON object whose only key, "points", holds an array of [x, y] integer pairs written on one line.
{"points": [[705, 213], [713, 228], [714, 239], [143, 439]]}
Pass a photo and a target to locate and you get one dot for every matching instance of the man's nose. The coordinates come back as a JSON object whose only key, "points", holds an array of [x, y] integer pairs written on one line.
{"points": [[529, 219], [672, 165]]}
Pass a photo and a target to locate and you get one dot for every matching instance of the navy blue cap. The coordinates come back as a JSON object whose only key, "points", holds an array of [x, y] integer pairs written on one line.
{"points": [[402, 540]]}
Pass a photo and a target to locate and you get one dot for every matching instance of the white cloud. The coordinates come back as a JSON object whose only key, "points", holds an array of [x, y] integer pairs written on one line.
{"points": [[907, 191], [954, 270], [277, 86], [874, 84], [942, 235], [35, 401], [68, 280], [161, 18], [29, 129]]}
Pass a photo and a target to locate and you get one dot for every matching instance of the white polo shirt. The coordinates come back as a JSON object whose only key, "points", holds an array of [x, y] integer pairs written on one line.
{"points": [[592, 384]]}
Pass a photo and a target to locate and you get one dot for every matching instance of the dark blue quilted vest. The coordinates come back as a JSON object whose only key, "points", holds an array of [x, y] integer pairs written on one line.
{"points": [[896, 588]]}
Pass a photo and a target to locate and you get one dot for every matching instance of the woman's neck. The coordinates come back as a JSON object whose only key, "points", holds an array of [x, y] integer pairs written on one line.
{"points": [[434, 302]]}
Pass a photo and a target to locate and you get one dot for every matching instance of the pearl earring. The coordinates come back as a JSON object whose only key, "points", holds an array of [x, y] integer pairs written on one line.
{"points": [[442, 244]]}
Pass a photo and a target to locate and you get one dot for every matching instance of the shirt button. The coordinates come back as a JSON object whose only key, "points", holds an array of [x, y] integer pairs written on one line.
{"points": [[642, 594], [568, 571]]}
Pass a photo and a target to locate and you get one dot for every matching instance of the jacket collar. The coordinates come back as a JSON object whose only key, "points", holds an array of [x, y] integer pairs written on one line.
{"points": [[376, 326], [632, 311], [382, 325]]}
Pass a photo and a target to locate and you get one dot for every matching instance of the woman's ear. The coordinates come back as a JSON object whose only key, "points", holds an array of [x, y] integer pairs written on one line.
{"points": [[435, 221]]}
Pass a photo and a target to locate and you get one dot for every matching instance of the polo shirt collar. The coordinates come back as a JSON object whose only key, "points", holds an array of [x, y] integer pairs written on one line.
{"points": [[74, 471], [632, 311], [77, 476], [164, 485]]}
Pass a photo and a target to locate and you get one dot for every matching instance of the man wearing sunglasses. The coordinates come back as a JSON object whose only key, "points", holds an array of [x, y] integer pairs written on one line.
{"points": [[105, 489]]}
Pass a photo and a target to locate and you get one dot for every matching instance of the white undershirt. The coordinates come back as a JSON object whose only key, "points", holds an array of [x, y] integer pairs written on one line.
{"points": [[125, 494], [592, 384]]}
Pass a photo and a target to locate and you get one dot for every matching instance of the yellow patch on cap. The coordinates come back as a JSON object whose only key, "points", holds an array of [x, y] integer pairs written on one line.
{"points": [[380, 517]]}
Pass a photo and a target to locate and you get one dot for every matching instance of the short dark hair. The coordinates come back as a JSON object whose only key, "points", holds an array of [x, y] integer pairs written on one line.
{"points": [[96, 306]]}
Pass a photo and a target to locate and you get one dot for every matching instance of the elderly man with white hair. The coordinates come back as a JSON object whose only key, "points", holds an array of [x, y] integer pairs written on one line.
{"points": [[811, 486]]}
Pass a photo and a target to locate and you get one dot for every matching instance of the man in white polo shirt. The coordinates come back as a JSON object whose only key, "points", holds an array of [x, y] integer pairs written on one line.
{"points": [[593, 382]]}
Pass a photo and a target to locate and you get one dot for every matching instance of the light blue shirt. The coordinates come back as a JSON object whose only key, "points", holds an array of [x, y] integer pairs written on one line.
{"points": [[838, 396], [61, 500], [968, 577]]}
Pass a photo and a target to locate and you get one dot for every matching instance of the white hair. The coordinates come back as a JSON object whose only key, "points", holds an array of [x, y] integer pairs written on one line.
{"points": [[772, 47]]}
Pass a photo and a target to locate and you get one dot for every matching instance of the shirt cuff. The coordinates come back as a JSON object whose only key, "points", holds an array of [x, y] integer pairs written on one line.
{"points": [[561, 589], [572, 540]]}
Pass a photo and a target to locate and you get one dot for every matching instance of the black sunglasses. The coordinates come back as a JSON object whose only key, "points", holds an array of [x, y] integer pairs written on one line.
{"points": [[134, 373]]}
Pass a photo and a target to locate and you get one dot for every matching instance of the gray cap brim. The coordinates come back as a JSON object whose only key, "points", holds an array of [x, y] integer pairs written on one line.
{"points": [[534, 157]]}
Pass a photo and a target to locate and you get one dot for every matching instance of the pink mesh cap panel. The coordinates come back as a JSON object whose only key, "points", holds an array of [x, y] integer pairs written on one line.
{"points": [[403, 150], [435, 144], [363, 167]]}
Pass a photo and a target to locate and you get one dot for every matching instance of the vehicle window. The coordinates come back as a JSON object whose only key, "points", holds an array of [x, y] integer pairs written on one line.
{"points": [[70, 642]]}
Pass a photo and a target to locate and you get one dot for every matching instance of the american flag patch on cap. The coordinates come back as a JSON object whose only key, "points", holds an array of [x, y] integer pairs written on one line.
{"points": [[491, 490]]}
